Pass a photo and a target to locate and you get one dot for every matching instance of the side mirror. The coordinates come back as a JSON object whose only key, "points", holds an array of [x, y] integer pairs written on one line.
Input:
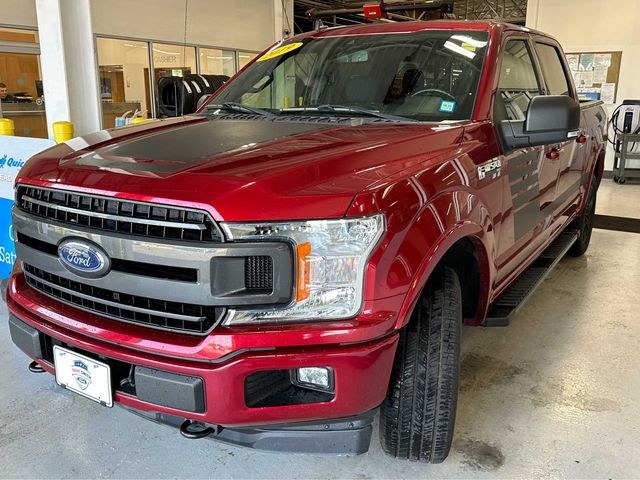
{"points": [[550, 119]]}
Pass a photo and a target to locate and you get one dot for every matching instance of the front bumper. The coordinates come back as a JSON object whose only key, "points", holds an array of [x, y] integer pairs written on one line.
{"points": [[361, 371]]}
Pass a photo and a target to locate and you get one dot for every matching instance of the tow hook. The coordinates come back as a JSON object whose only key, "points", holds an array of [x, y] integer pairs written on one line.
{"points": [[34, 367], [194, 430]]}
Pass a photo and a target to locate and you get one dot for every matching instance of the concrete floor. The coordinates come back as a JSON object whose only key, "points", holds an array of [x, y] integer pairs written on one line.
{"points": [[619, 200], [555, 394]]}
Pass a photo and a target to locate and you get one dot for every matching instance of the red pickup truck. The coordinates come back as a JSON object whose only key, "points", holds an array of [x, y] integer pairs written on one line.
{"points": [[303, 251]]}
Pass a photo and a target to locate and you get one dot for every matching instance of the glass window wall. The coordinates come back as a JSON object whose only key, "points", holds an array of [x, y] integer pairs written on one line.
{"points": [[123, 68], [21, 93], [244, 58], [217, 62]]}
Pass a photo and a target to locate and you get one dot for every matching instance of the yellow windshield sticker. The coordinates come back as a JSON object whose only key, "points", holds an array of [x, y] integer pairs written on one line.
{"points": [[280, 51], [468, 46]]}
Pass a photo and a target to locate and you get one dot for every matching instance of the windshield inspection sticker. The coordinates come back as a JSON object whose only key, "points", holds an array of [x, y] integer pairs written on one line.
{"points": [[280, 51], [447, 106], [468, 46]]}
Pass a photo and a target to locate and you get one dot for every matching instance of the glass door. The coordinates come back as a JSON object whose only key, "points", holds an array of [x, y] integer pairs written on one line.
{"points": [[123, 69], [21, 92]]}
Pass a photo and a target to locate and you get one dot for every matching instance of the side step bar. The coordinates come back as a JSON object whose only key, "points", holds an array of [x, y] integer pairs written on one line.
{"points": [[505, 307]]}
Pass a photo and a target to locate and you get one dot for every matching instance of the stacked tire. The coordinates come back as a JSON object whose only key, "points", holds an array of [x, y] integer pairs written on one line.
{"points": [[180, 95]]}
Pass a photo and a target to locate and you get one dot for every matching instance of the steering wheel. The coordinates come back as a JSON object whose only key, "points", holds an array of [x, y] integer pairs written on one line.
{"points": [[434, 90]]}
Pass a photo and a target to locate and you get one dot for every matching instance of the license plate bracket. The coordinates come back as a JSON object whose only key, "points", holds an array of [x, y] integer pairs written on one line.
{"points": [[83, 375]]}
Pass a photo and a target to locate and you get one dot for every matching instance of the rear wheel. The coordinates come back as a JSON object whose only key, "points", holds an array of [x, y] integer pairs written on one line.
{"points": [[418, 415], [584, 224]]}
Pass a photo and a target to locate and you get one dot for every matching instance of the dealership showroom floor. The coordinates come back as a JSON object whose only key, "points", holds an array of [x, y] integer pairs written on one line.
{"points": [[278, 221], [553, 395]]}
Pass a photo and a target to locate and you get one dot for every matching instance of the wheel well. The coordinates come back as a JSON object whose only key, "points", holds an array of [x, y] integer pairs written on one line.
{"points": [[599, 167], [463, 258]]}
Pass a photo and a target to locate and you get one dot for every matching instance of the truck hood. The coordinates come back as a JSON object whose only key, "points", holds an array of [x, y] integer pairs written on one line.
{"points": [[241, 169]]}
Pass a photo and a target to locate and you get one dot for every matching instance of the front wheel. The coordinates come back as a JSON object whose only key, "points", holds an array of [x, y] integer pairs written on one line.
{"points": [[418, 415], [584, 224]]}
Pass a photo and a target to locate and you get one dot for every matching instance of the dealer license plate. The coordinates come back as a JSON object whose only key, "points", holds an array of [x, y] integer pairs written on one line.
{"points": [[83, 375]]}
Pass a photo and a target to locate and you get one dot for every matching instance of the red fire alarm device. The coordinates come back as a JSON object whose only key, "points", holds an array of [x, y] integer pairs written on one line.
{"points": [[373, 11]]}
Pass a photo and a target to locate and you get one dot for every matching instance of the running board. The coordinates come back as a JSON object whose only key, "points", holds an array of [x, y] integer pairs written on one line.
{"points": [[511, 300]]}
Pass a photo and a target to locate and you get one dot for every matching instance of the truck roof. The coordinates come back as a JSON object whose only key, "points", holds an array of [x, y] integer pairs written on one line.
{"points": [[408, 27]]}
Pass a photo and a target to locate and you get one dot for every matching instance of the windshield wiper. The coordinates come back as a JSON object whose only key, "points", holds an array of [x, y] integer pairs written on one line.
{"points": [[239, 107], [328, 108]]}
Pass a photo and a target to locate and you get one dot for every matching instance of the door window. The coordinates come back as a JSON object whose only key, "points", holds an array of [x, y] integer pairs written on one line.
{"points": [[552, 69], [518, 82]]}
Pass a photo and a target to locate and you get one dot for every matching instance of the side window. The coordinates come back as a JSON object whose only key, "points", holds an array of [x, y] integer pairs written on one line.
{"points": [[518, 82], [552, 69]]}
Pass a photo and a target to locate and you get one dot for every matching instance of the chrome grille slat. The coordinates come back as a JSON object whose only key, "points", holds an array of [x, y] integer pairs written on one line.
{"points": [[57, 288], [157, 223], [176, 316], [117, 215]]}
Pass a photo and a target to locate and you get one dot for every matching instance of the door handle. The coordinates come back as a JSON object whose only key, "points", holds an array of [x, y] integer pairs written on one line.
{"points": [[553, 154]]}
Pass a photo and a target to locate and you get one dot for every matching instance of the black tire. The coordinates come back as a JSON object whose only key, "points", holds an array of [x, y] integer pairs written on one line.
{"points": [[419, 413], [584, 224]]}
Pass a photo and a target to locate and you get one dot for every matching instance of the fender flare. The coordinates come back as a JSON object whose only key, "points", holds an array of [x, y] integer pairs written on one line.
{"points": [[482, 239]]}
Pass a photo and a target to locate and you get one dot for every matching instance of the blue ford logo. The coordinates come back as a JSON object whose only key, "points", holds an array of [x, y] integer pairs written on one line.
{"points": [[84, 258]]}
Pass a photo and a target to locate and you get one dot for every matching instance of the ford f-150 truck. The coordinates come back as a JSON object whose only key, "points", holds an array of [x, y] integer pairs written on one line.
{"points": [[303, 251]]}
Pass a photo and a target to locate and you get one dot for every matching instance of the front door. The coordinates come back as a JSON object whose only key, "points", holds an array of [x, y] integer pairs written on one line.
{"points": [[531, 173]]}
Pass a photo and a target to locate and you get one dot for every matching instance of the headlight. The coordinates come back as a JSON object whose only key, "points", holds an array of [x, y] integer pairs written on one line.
{"points": [[330, 256]]}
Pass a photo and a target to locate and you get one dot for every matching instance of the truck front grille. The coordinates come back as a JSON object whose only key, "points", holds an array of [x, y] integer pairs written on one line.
{"points": [[167, 267], [117, 215], [174, 316]]}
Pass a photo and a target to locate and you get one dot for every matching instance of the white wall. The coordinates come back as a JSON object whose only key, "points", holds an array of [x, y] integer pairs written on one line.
{"points": [[235, 24], [238, 24], [592, 26], [18, 13]]}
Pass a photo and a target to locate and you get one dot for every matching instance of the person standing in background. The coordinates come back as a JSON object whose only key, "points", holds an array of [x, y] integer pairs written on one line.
{"points": [[4, 94]]}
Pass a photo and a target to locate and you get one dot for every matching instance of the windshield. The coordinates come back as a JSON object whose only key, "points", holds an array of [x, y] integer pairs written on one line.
{"points": [[427, 76]]}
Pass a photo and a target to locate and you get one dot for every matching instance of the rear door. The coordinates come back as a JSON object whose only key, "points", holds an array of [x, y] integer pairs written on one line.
{"points": [[565, 155], [531, 175]]}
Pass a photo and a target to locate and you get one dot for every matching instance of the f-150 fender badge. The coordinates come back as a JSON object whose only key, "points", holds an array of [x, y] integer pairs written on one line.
{"points": [[490, 169]]}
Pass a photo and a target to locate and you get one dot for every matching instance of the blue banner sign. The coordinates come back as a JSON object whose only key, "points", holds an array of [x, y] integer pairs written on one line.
{"points": [[14, 153]]}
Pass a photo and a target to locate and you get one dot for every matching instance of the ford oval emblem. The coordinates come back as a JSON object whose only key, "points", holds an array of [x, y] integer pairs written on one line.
{"points": [[84, 258]]}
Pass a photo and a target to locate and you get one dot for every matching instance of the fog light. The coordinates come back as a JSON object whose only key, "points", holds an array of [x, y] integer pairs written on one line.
{"points": [[317, 378]]}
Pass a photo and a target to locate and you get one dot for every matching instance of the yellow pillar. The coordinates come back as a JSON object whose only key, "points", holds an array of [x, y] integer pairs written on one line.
{"points": [[62, 131], [7, 127]]}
